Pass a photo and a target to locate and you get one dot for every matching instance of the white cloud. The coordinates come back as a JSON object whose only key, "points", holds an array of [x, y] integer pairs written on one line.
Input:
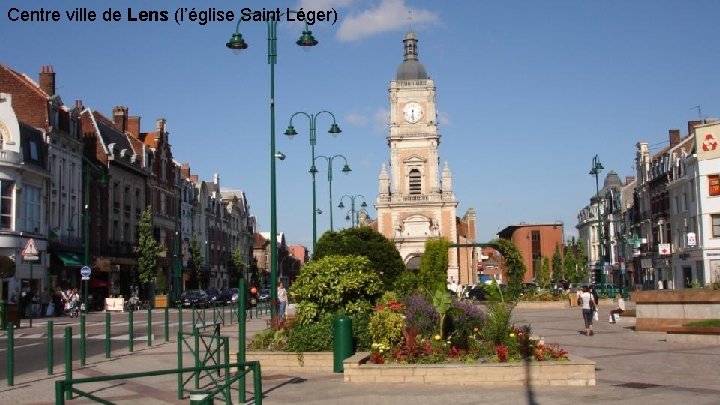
{"points": [[389, 15], [356, 118]]}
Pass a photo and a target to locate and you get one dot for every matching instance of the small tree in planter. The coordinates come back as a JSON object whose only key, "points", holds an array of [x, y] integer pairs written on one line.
{"points": [[147, 250]]}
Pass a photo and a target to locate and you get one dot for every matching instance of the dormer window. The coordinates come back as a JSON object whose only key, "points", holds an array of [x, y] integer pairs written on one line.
{"points": [[33, 150]]}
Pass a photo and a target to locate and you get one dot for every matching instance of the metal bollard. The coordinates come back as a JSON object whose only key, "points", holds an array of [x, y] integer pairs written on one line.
{"points": [[167, 326], [82, 339], [180, 325], [131, 334], [107, 335], [149, 326], [68, 362], [50, 354], [241, 315], [11, 355], [180, 365], [196, 335]]}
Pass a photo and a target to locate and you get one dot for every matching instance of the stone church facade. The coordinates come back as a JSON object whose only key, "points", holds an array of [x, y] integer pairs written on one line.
{"points": [[415, 200]]}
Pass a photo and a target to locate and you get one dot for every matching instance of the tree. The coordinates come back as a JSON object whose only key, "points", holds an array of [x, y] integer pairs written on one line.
{"points": [[194, 263], [569, 263], [335, 283], [558, 271], [515, 266], [575, 261], [542, 279], [434, 265], [237, 270], [384, 258], [147, 248]]}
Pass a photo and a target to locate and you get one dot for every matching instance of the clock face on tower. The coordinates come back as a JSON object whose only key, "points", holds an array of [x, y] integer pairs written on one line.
{"points": [[412, 112]]}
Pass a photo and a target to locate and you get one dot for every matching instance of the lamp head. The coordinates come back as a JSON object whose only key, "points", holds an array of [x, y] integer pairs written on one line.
{"points": [[313, 169], [319, 211], [347, 217], [346, 169], [290, 131], [334, 129], [236, 43], [341, 205], [306, 40], [363, 205], [279, 155]]}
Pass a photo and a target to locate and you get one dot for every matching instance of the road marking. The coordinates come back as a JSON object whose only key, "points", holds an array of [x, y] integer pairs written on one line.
{"points": [[21, 346]]}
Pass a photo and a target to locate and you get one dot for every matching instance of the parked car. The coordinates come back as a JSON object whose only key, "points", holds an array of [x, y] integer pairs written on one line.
{"points": [[226, 296], [264, 294], [213, 294], [251, 299], [197, 298], [476, 292]]}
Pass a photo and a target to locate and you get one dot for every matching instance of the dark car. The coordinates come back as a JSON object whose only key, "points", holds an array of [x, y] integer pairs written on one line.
{"points": [[197, 298], [251, 298], [264, 294], [213, 294], [225, 296], [476, 293]]}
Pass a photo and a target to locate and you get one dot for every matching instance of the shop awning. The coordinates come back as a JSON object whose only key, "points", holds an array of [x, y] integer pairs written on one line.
{"points": [[69, 259]]}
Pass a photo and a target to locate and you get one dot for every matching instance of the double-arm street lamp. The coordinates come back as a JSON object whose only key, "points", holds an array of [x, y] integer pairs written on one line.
{"points": [[290, 132], [595, 170], [353, 217], [313, 170], [237, 44]]}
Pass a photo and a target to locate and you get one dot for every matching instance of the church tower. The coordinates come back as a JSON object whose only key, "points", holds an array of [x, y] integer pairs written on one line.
{"points": [[415, 200]]}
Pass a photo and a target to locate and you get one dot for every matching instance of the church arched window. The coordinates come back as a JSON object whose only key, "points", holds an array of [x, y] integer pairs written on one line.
{"points": [[415, 182]]}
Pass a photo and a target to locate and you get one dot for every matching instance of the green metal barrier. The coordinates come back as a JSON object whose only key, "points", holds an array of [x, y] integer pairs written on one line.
{"points": [[167, 324], [107, 335], [131, 332], [149, 326], [82, 339], [49, 348], [69, 386], [3, 315], [68, 361], [216, 350], [198, 317]]}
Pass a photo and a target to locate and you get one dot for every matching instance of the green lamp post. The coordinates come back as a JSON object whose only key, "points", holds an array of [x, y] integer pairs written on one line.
{"points": [[237, 44], [290, 132], [352, 215], [346, 169], [595, 170]]}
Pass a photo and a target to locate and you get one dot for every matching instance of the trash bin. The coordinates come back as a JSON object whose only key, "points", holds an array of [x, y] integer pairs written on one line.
{"points": [[197, 397], [342, 342]]}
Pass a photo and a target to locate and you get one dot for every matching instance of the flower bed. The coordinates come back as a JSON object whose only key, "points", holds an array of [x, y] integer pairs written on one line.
{"points": [[576, 371]]}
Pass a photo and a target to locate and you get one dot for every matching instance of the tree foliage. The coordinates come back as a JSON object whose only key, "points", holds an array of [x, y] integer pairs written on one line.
{"points": [[147, 248], [558, 271], [335, 284], [384, 258], [575, 263], [434, 265], [515, 266], [238, 268], [194, 263], [542, 278]]}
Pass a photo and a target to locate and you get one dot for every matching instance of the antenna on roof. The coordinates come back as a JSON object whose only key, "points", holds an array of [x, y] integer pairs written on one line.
{"points": [[699, 112], [409, 19]]}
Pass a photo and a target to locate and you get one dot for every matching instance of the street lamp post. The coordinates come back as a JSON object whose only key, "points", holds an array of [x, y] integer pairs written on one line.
{"points": [[237, 44], [290, 132], [353, 218], [595, 170], [89, 165], [346, 169]]}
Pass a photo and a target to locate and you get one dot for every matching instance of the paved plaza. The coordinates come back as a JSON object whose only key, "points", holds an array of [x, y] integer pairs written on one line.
{"points": [[632, 368]]}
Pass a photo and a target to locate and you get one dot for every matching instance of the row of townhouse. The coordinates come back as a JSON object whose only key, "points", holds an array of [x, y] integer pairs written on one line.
{"points": [[76, 182], [661, 227]]}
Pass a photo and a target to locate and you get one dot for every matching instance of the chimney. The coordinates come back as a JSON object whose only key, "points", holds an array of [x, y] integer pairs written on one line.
{"points": [[674, 137], [120, 115], [629, 179], [47, 80], [161, 124], [133, 126], [79, 105], [194, 178], [185, 170], [692, 125]]}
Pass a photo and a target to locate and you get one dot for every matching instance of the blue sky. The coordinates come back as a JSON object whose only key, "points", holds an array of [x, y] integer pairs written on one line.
{"points": [[528, 92]]}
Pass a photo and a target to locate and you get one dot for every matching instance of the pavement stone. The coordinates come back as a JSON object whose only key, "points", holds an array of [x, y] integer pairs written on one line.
{"points": [[632, 368]]}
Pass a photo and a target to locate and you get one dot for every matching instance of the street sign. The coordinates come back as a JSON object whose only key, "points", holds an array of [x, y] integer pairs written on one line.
{"points": [[31, 258], [85, 272], [30, 249]]}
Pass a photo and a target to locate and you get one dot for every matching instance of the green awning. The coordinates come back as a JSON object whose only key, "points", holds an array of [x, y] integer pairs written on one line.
{"points": [[69, 259]]}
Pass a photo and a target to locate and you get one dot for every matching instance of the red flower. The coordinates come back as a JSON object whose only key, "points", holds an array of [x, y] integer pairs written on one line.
{"points": [[502, 353]]}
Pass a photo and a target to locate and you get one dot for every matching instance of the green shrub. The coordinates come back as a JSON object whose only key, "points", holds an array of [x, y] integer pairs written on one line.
{"points": [[386, 327], [406, 283], [498, 323], [333, 284], [361, 331], [311, 337]]}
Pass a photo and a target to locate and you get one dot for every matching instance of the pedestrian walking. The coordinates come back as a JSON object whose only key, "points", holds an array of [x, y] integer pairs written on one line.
{"points": [[282, 300], [587, 303], [44, 302]]}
